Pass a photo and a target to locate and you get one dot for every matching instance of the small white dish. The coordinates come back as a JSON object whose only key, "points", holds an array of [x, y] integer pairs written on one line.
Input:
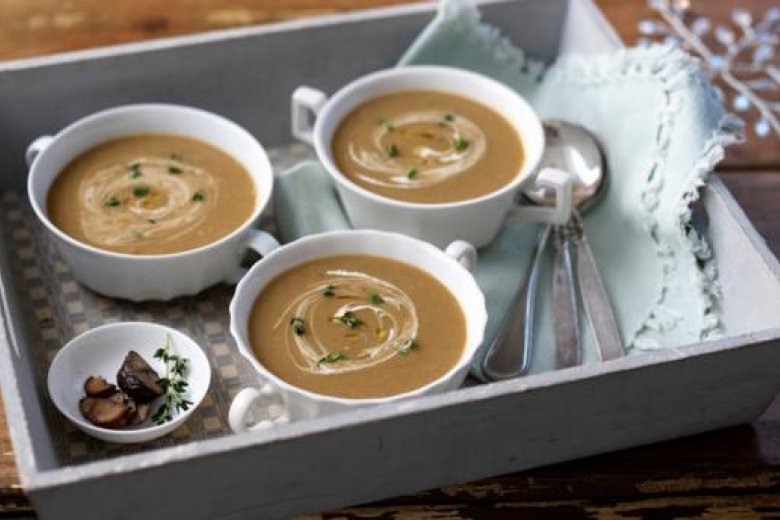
{"points": [[101, 351]]}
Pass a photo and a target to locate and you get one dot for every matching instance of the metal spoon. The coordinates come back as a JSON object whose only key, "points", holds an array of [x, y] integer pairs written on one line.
{"points": [[571, 148]]}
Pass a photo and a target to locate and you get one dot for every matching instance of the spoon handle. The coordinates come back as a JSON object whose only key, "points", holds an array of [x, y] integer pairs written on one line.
{"points": [[566, 324], [510, 353], [596, 301]]}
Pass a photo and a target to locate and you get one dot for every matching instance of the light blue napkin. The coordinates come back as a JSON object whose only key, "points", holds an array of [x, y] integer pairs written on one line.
{"points": [[663, 130]]}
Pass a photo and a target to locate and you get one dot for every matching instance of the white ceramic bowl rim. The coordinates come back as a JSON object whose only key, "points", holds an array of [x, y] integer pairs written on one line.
{"points": [[477, 321], [530, 160], [97, 117], [119, 433]]}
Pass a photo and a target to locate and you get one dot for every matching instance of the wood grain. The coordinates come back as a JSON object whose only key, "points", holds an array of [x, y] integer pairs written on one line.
{"points": [[35, 27], [733, 473]]}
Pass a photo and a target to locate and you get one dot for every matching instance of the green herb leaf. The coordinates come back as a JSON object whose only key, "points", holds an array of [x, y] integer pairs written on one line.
{"points": [[376, 299], [408, 346], [198, 196], [460, 143], [386, 124], [151, 221], [176, 157], [332, 357], [349, 319], [449, 117], [329, 292], [392, 150], [412, 173], [173, 384], [298, 326], [112, 202], [141, 191], [136, 169], [174, 170]]}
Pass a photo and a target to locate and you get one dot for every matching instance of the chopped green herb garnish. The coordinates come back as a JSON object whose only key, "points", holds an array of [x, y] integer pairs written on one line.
{"points": [[460, 142], [349, 319], [136, 169], [198, 196], [174, 170], [332, 357], [112, 202], [392, 150], [329, 292], [151, 221], [176, 157], [173, 384], [298, 326], [386, 124], [412, 173], [375, 298], [449, 116], [408, 346], [141, 191]]}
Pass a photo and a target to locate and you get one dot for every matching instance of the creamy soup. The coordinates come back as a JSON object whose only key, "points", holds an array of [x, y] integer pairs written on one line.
{"points": [[151, 194], [357, 326], [427, 146]]}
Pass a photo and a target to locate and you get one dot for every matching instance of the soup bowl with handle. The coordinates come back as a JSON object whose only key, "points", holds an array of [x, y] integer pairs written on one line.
{"points": [[476, 220], [156, 276], [451, 267]]}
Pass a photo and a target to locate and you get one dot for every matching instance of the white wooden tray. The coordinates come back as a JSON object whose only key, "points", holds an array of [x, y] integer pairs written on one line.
{"points": [[247, 75]]}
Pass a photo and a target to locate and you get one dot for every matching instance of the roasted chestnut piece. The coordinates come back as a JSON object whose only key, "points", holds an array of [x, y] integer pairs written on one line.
{"points": [[97, 386], [138, 379], [140, 414], [109, 412]]}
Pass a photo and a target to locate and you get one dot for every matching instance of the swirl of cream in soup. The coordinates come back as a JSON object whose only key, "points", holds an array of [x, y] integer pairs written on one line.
{"points": [[418, 149], [393, 323], [148, 199]]}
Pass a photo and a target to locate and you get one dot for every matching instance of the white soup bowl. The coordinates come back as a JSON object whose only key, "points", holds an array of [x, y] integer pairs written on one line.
{"points": [[160, 276], [450, 267]]}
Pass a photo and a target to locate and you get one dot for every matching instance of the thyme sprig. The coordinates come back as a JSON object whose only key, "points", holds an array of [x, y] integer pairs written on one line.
{"points": [[173, 384]]}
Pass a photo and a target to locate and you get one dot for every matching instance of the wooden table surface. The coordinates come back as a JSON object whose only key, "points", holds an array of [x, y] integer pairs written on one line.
{"points": [[733, 473]]}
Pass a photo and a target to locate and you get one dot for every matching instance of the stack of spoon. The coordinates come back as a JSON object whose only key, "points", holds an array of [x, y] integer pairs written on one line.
{"points": [[576, 278]]}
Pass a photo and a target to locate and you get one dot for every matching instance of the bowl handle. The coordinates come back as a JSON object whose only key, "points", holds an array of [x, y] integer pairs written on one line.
{"points": [[463, 253], [305, 101], [36, 147], [261, 243], [246, 398], [562, 183]]}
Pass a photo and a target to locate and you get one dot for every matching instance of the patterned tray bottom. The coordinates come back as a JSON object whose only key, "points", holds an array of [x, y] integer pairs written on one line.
{"points": [[55, 308]]}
